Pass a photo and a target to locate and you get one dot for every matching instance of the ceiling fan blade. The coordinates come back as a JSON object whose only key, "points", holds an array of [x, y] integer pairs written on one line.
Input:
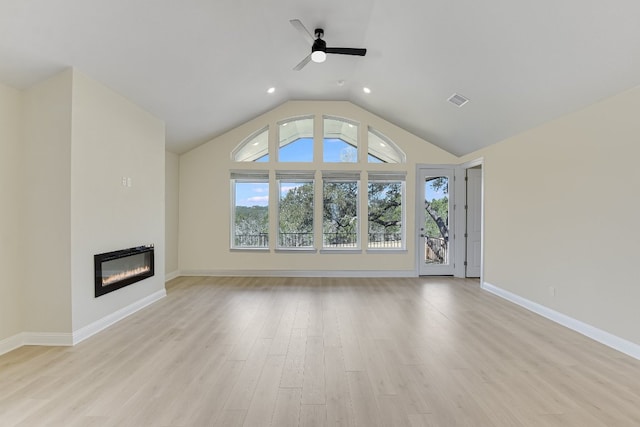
{"points": [[302, 63], [303, 30], [347, 51]]}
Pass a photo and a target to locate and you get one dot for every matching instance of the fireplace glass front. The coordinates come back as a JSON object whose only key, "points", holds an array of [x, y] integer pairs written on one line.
{"points": [[114, 270]]}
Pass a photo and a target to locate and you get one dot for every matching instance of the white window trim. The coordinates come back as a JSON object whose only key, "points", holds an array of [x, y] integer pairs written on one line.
{"points": [[356, 144], [279, 145], [247, 176], [297, 177], [245, 141], [343, 176], [387, 140], [390, 177]]}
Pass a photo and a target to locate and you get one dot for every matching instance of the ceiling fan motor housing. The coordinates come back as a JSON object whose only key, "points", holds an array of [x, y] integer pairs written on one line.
{"points": [[319, 44]]}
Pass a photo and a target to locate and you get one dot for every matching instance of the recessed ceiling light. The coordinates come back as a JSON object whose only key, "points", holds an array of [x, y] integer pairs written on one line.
{"points": [[366, 90], [271, 90]]}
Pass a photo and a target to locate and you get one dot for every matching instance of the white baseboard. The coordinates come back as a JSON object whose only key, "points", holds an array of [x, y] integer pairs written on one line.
{"points": [[101, 324], [48, 338], [57, 339], [70, 339], [627, 347], [300, 273], [11, 343], [171, 276]]}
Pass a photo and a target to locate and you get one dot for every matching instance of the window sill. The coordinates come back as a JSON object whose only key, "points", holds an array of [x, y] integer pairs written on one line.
{"points": [[249, 249], [297, 250], [386, 251], [340, 251]]}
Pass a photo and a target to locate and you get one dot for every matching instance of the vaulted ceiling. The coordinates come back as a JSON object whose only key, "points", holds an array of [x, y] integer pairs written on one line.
{"points": [[204, 66]]}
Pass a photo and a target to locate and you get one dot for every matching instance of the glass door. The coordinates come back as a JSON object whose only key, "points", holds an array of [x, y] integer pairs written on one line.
{"points": [[435, 221]]}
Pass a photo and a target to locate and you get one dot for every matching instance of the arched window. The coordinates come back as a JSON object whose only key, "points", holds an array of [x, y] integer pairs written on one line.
{"points": [[340, 142], [382, 149], [295, 140], [254, 148], [337, 176]]}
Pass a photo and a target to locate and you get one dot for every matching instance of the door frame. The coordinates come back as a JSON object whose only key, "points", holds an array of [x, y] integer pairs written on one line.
{"points": [[461, 217], [449, 269]]}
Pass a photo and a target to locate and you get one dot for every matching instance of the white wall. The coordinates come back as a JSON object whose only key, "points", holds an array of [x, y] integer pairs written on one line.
{"points": [[113, 138], [561, 211], [205, 198], [172, 189], [11, 190], [47, 220]]}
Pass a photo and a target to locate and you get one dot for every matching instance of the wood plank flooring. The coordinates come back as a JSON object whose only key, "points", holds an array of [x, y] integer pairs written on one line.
{"points": [[324, 352]]}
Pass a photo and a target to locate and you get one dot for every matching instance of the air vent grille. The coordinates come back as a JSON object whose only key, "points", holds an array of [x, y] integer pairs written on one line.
{"points": [[458, 100]]}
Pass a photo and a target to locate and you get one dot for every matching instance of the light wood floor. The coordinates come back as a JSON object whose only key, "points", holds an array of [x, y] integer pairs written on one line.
{"points": [[332, 352]]}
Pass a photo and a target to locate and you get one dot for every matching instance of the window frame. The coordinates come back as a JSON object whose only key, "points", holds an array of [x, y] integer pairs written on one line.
{"points": [[248, 177], [402, 157], [335, 176], [310, 171], [389, 177], [278, 146], [296, 177], [349, 122], [240, 147]]}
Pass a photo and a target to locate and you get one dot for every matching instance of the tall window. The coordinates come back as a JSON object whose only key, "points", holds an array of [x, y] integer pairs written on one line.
{"points": [[386, 210], [250, 210], [340, 210], [295, 140], [295, 209], [340, 142]]}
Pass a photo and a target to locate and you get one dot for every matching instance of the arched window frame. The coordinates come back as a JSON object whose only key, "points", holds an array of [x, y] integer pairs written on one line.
{"points": [[286, 137], [387, 153], [348, 134], [245, 152]]}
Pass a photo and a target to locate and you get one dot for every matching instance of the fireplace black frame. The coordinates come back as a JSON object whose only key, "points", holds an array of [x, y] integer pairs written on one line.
{"points": [[99, 259]]}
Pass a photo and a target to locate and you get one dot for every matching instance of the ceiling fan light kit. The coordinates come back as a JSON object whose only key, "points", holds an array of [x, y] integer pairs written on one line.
{"points": [[318, 56], [319, 49]]}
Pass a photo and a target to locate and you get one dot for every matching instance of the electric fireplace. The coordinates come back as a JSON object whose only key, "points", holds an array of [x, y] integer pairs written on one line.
{"points": [[117, 269]]}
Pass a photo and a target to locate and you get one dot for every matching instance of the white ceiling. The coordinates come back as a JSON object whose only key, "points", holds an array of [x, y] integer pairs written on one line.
{"points": [[204, 66]]}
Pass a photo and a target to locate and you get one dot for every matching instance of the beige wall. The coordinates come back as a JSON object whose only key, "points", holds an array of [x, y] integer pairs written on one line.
{"points": [[65, 144], [205, 197], [113, 138], [11, 190], [47, 220], [561, 211], [172, 188]]}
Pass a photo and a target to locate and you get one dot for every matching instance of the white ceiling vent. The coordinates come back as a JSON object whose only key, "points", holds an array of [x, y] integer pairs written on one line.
{"points": [[458, 99]]}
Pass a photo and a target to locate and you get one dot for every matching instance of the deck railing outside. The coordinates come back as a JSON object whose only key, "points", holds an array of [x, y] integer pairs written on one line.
{"points": [[435, 250], [330, 240], [260, 240]]}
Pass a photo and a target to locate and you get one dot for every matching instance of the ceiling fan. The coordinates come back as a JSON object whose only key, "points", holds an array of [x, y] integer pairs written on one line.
{"points": [[319, 47]]}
